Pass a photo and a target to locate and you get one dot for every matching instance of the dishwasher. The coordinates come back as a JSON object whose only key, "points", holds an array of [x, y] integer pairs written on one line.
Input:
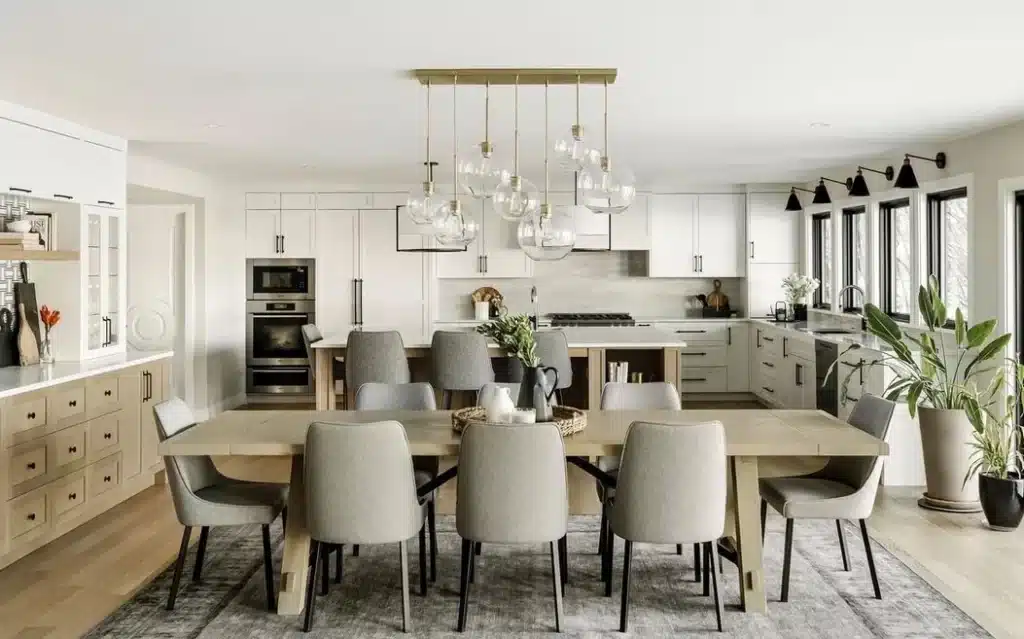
{"points": [[827, 393]]}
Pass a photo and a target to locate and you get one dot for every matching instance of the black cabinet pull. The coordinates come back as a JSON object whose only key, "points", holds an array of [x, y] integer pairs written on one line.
{"points": [[61, 196], [861, 371], [31, 415], [728, 332], [694, 379], [692, 332], [106, 478], [784, 340], [73, 402], [769, 339], [282, 244], [31, 465], [695, 354], [768, 364], [107, 202], [770, 390], [72, 449], [799, 378], [759, 338], [72, 496], [31, 517], [106, 393], [17, 189], [751, 250], [107, 435]]}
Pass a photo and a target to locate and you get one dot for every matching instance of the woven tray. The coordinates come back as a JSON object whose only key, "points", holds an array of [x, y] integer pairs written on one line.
{"points": [[568, 419]]}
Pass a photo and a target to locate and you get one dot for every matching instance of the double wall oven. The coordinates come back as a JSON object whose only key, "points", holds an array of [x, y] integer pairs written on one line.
{"points": [[279, 301]]}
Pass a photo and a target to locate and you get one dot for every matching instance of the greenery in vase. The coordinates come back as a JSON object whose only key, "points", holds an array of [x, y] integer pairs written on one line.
{"points": [[799, 287], [514, 334]]}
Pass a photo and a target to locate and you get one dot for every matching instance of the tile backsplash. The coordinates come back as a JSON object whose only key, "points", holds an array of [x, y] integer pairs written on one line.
{"points": [[8, 276], [588, 282]]}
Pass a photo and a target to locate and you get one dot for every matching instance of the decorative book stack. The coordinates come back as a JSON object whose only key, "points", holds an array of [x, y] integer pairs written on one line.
{"points": [[23, 241]]}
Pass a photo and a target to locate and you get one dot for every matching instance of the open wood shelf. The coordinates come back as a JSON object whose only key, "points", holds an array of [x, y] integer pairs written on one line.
{"points": [[33, 256]]}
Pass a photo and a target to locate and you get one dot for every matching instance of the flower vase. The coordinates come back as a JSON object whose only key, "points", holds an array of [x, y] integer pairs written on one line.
{"points": [[46, 351], [800, 312]]}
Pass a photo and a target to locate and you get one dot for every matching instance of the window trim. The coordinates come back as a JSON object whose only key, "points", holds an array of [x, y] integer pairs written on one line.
{"points": [[817, 261], [885, 211], [934, 248], [846, 257]]}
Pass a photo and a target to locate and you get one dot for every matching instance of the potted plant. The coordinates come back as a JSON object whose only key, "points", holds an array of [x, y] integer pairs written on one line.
{"points": [[514, 335], [797, 288], [940, 381], [997, 458]]}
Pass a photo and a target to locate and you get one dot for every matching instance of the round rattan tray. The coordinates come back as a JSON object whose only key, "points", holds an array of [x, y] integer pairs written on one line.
{"points": [[568, 419]]}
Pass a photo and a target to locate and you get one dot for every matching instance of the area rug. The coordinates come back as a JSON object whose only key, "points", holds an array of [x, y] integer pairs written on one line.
{"points": [[512, 594]]}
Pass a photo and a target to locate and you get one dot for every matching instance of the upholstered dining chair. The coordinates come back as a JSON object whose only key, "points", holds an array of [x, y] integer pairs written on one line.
{"points": [[415, 396], [375, 356], [844, 489], [360, 489], [459, 361], [205, 498], [500, 503], [553, 351], [659, 500]]}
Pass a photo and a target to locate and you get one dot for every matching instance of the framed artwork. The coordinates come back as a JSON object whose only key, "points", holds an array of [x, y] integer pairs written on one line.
{"points": [[42, 223]]}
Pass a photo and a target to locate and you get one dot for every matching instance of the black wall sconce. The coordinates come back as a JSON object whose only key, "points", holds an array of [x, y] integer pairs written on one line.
{"points": [[906, 179], [793, 203], [821, 195], [858, 186]]}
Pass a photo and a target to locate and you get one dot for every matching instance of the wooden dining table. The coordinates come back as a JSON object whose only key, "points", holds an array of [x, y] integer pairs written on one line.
{"points": [[751, 435]]}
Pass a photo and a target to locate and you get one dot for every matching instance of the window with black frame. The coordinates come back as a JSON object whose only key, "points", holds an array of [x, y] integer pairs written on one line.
{"points": [[855, 257], [821, 258], [1019, 198], [947, 247], [897, 259]]}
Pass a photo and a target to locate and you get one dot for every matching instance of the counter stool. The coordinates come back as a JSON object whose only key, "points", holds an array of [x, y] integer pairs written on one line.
{"points": [[459, 362], [375, 356], [311, 335], [553, 351]]}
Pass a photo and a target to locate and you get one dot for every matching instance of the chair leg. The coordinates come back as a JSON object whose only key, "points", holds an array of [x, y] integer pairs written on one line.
{"points": [[609, 556], [764, 520], [446, 399], [284, 519], [603, 532], [479, 548], [339, 564], [679, 549], [563, 556], [432, 525], [179, 565], [557, 580], [707, 568], [842, 545], [268, 569], [624, 610], [715, 561], [197, 570], [307, 625], [406, 608], [871, 558], [467, 557], [423, 560], [355, 550], [787, 559], [325, 568], [696, 563]]}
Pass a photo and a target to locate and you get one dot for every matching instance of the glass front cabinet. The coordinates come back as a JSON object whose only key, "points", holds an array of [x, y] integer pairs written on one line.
{"points": [[104, 269]]}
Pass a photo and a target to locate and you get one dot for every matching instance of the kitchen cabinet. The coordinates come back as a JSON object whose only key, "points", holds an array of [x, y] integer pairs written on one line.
{"points": [[774, 232], [298, 201], [864, 381], [592, 229], [766, 375], [494, 254], [104, 285], [280, 233], [738, 357], [631, 229], [697, 235], [337, 264], [715, 358]]}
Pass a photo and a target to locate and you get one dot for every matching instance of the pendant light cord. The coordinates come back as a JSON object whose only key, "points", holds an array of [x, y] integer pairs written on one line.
{"points": [[577, 100], [430, 169], [455, 135], [547, 176], [487, 112], [515, 149], [606, 118]]}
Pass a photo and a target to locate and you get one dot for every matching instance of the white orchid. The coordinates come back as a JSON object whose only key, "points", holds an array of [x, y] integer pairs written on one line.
{"points": [[798, 287]]}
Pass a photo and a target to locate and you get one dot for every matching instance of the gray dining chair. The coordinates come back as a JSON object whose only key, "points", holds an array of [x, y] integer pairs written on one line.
{"points": [[375, 356], [844, 489], [553, 351], [459, 361], [671, 488], [500, 503], [415, 396], [360, 489], [205, 498]]}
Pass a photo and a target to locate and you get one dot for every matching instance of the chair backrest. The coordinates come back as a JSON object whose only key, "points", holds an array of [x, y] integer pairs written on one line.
{"points": [[650, 396], [512, 484], [186, 475], [873, 415], [672, 483], [459, 360], [489, 387], [553, 350], [311, 335], [378, 396], [375, 356], [360, 487]]}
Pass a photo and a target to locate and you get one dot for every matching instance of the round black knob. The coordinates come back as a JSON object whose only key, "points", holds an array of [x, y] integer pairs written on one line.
{"points": [[73, 496], [31, 516], [31, 416], [106, 435], [106, 478], [106, 393], [72, 449], [31, 465]]}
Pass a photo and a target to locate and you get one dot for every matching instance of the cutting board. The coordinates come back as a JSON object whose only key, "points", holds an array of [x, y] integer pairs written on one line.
{"points": [[28, 347], [25, 295]]}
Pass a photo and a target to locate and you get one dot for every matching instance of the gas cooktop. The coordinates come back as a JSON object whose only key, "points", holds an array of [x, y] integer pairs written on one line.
{"points": [[592, 319]]}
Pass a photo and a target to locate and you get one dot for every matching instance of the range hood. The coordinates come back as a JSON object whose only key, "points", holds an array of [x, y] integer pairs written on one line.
{"points": [[593, 231]]}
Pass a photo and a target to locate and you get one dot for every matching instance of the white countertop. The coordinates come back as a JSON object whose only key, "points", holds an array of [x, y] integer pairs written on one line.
{"points": [[15, 380], [578, 337], [807, 329]]}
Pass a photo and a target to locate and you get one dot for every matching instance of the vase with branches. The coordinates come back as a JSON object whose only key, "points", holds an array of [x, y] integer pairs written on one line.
{"points": [[513, 333]]}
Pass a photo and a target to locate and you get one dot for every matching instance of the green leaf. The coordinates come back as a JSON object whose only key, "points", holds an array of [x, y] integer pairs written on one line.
{"points": [[979, 333], [924, 304], [992, 349], [960, 328], [895, 390], [940, 311], [975, 415], [882, 326], [912, 397]]}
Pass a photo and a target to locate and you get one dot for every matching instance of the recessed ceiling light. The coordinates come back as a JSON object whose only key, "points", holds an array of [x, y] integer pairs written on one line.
{"points": [[212, 125], [307, 166], [820, 125]]}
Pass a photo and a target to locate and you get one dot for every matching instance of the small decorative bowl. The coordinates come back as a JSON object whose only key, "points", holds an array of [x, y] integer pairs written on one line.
{"points": [[19, 226]]}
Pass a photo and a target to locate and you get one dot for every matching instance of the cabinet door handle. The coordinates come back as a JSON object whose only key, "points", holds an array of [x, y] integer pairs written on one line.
{"points": [[759, 338], [694, 379], [17, 189], [784, 341], [31, 465], [31, 416], [694, 354], [72, 496], [107, 435], [487, 265], [359, 282], [770, 390], [861, 371], [692, 332], [107, 202], [694, 263], [106, 393], [282, 245], [149, 386], [72, 449], [479, 263], [31, 517], [106, 478], [768, 364], [751, 250], [73, 402], [728, 333], [799, 377], [769, 339], [61, 196], [701, 261]]}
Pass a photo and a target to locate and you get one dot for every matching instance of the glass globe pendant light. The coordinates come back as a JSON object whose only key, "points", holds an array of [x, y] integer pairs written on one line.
{"points": [[452, 226], [481, 176], [549, 233], [571, 153], [516, 197], [607, 188], [424, 202]]}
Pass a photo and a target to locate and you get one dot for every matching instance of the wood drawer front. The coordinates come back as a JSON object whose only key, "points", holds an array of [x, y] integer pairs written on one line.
{"points": [[104, 475], [66, 404], [101, 395], [704, 380], [27, 462], [703, 333], [26, 415], [104, 433], [29, 512], [68, 494], [69, 445], [703, 356]]}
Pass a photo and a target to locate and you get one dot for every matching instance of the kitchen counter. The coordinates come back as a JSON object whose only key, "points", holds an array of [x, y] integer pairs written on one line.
{"points": [[807, 329], [15, 380], [623, 337]]}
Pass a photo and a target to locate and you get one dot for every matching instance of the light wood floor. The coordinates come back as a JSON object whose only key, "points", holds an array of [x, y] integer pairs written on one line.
{"points": [[65, 588]]}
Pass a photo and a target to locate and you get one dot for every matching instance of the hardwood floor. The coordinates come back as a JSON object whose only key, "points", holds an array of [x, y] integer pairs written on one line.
{"points": [[65, 588]]}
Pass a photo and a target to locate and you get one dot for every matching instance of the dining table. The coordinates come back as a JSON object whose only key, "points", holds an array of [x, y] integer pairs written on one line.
{"points": [[752, 435]]}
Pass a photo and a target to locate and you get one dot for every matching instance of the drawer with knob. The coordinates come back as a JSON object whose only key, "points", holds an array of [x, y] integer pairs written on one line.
{"points": [[67, 494], [104, 475], [101, 396], [28, 513], [24, 416], [70, 445], [26, 463], [66, 404], [103, 434]]}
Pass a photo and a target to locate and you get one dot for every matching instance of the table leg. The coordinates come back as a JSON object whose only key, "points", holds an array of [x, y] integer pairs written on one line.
{"points": [[748, 534], [295, 563], [324, 382]]}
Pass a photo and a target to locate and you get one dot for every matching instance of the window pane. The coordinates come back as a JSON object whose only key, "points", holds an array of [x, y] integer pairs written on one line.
{"points": [[954, 271], [821, 265], [899, 259], [855, 258]]}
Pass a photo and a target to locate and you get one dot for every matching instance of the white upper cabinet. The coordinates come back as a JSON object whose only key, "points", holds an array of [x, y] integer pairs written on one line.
{"points": [[261, 234], [494, 254], [344, 200], [774, 234], [298, 234], [720, 235], [631, 229], [337, 263], [285, 233], [696, 235], [104, 290], [673, 236], [263, 201], [301, 201]]}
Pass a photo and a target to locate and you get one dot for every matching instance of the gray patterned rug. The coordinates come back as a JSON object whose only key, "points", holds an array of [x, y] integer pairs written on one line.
{"points": [[512, 594]]}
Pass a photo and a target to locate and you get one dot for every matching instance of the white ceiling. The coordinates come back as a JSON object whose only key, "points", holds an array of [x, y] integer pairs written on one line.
{"points": [[722, 91]]}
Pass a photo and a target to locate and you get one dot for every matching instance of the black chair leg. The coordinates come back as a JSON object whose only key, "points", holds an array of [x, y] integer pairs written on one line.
{"points": [[603, 532], [479, 548], [268, 569], [764, 520], [307, 624], [871, 558], [707, 568], [557, 583], [467, 557], [339, 564], [842, 545], [179, 565], [787, 559], [446, 399], [472, 564], [197, 570], [624, 611], [679, 549], [563, 560], [609, 556], [696, 563], [284, 519], [432, 525], [355, 550], [325, 568], [423, 560], [715, 561]]}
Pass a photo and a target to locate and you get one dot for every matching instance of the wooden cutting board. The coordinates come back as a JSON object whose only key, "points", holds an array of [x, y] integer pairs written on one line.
{"points": [[28, 347], [25, 295]]}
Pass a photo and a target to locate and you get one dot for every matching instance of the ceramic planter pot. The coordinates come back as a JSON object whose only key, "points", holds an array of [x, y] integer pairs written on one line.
{"points": [[945, 437], [1002, 500], [800, 312]]}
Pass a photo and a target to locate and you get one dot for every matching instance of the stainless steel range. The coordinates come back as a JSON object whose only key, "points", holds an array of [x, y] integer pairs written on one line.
{"points": [[591, 319], [279, 302]]}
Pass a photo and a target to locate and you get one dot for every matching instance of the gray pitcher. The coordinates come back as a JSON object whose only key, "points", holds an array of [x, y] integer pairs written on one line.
{"points": [[536, 390]]}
